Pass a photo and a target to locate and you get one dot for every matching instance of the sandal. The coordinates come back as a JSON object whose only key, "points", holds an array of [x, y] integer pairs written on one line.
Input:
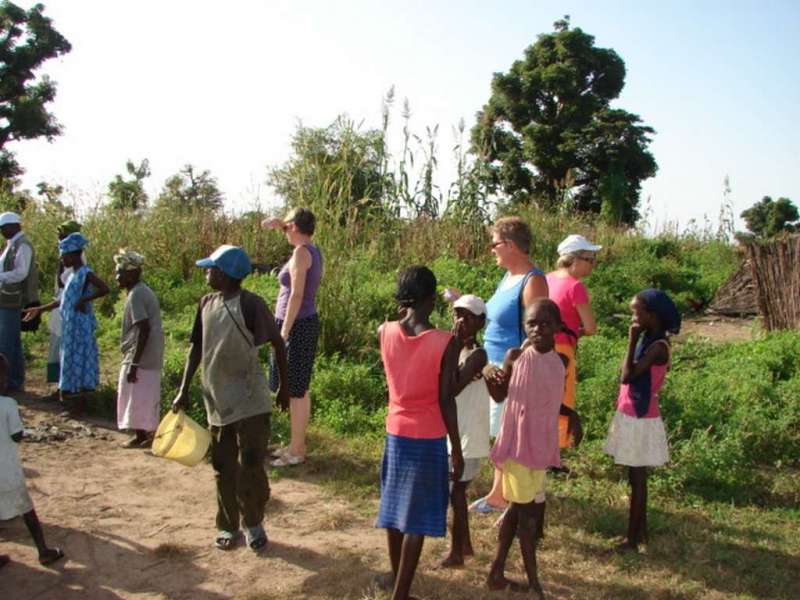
{"points": [[482, 506], [279, 452], [256, 538], [51, 556], [225, 540], [288, 460]]}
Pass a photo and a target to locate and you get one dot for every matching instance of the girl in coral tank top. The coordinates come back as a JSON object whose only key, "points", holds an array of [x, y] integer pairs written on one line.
{"points": [[420, 364]]}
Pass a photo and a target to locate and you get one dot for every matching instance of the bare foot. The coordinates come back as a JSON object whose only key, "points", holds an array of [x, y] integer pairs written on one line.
{"points": [[452, 561], [51, 555], [626, 546], [384, 581], [498, 582], [536, 590]]}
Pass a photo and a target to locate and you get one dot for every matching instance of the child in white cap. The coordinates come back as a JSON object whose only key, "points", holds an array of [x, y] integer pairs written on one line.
{"points": [[473, 419]]}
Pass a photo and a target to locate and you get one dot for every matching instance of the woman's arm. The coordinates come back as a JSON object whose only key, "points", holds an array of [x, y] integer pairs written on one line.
{"points": [[588, 322], [535, 288], [29, 314], [101, 289], [299, 265], [141, 341], [447, 404], [470, 370]]}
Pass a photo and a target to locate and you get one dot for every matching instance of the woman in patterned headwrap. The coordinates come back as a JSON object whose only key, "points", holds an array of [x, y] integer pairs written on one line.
{"points": [[54, 322], [139, 389], [79, 362]]}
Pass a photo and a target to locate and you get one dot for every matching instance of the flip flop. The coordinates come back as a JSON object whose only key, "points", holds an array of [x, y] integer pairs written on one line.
{"points": [[288, 460], [482, 506], [256, 538], [49, 559], [4, 560], [279, 452], [225, 540]]}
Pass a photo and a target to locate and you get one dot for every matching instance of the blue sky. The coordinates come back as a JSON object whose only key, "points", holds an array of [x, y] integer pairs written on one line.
{"points": [[223, 85]]}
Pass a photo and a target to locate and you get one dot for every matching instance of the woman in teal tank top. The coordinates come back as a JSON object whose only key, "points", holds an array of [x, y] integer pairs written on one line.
{"points": [[521, 285]]}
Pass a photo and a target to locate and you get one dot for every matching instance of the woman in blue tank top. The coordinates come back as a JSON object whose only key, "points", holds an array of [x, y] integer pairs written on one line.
{"points": [[521, 285], [296, 315]]}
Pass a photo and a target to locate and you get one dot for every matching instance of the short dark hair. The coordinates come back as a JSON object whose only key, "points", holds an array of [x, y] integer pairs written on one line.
{"points": [[550, 306], [415, 284], [304, 219]]}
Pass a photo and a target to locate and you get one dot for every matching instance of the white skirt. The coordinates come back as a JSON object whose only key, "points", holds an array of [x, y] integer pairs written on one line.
{"points": [[637, 442], [14, 503]]}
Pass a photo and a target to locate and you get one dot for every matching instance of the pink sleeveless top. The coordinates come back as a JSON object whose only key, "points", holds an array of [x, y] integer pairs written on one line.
{"points": [[413, 365], [529, 429], [657, 375]]}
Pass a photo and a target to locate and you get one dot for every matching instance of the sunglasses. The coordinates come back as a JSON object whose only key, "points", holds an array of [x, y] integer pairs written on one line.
{"points": [[590, 259], [494, 245]]}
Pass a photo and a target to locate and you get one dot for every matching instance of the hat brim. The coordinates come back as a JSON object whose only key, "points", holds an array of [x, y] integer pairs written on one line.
{"points": [[206, 263], [466, 306]]}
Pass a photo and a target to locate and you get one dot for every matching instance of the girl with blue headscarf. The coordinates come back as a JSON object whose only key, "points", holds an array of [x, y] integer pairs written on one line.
{"points": [[636, 437], [79, 371]]}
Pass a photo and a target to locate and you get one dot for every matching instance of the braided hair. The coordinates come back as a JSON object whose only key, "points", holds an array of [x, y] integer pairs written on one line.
{"points": [[415, 284]]}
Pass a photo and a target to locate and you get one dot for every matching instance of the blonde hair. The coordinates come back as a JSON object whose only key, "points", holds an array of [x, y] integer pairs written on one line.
{"points": [[567, 260], [514, 229]]}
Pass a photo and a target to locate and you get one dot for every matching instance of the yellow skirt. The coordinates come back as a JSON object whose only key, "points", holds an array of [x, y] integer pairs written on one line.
{"points": [[564, 440], [522, 484]]}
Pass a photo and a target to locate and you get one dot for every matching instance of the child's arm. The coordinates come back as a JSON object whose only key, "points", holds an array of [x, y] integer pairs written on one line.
{"points": [[574, 426], [656, 355], [470, 370], [447, 404], [497, 379]]}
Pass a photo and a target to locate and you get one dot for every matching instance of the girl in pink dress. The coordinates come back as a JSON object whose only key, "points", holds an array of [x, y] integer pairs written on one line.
{"points": [[532, 378], [636, 437]]}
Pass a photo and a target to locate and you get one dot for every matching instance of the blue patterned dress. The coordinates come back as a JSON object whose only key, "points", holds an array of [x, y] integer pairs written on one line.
{"points": [[79, 366]]}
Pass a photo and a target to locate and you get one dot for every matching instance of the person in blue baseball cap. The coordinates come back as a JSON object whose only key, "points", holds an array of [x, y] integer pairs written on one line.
{"points": [[79, 371], [230, 325]]}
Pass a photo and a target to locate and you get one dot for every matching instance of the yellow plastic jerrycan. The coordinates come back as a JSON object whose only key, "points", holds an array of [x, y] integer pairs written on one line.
{"points": [[179, 438]]}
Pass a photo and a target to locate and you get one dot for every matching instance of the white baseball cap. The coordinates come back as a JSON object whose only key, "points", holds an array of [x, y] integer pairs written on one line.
{"points": [[576, 243], [472, 303], [9, 218]]}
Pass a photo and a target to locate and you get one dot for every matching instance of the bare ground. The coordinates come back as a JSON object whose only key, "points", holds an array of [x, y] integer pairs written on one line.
{"points": [[137, 526]]}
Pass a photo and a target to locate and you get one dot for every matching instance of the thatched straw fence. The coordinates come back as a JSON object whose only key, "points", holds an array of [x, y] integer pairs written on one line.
{"points": [[776, 271]]}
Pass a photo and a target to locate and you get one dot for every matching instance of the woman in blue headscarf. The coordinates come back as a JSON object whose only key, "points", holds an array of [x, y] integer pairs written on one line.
{"points": [[79, 362], [636, 437]]}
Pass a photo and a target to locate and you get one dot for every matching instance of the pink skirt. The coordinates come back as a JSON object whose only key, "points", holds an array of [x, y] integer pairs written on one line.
{"points": [[138, 403]]}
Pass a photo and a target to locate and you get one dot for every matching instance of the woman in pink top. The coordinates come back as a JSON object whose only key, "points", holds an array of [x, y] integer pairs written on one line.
{"points": [[532, 378], [420, 364], [576, 260], [636, 437]]}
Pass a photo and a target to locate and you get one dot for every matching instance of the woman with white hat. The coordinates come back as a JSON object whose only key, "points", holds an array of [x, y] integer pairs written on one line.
{"points": [[576, 260]]}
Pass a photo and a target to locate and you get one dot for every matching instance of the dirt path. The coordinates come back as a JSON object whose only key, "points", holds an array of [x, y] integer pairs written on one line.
{"points": [[137, 526]]}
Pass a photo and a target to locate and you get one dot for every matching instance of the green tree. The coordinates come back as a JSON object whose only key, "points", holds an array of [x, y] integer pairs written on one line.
{"points": [[338, 171], [548, 127], [190, 190], [767, 219], [27, 39], [129, 194]]}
